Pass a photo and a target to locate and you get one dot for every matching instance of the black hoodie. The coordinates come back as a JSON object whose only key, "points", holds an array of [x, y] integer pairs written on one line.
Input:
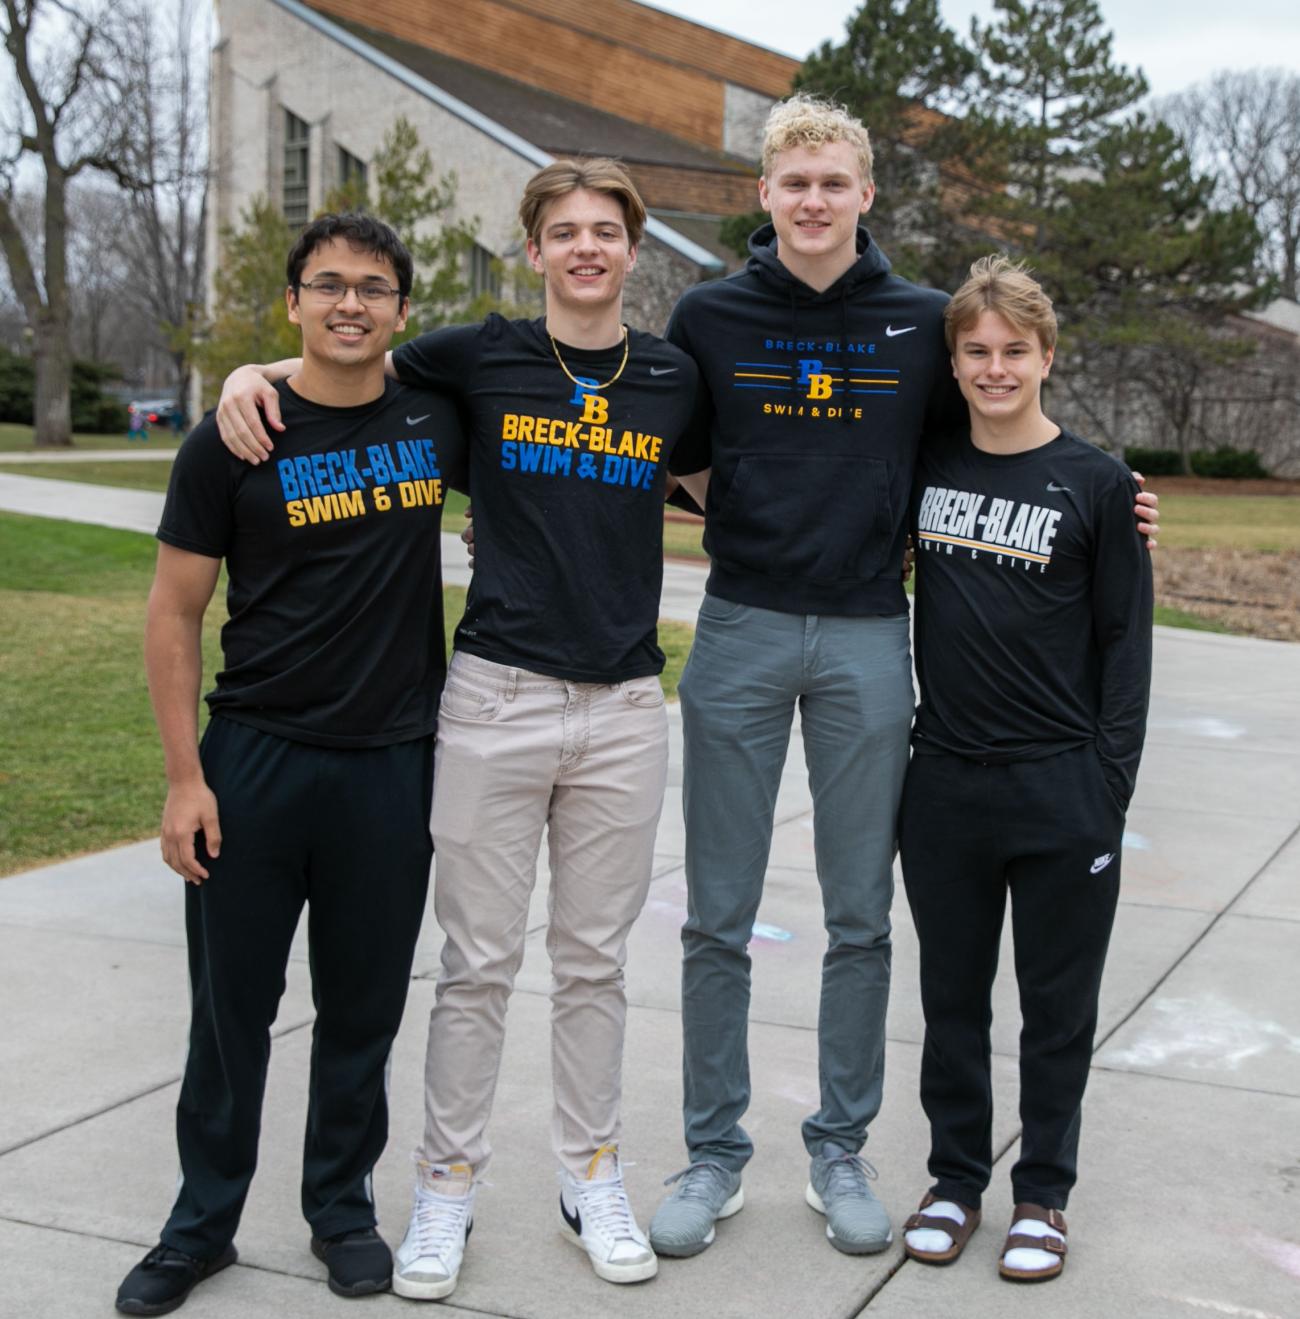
{"points": [[819, 401]]}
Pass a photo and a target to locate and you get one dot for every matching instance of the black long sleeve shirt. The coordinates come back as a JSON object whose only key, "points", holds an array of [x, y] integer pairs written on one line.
{"points": [[1033, 605]]}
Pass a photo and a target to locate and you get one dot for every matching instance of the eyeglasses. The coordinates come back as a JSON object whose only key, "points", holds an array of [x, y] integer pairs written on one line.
{"points": [[373, 292]]}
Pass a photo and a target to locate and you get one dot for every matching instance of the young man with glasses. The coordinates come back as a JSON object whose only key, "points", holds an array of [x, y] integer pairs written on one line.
{"points": [[312, 782], [553, 718]]}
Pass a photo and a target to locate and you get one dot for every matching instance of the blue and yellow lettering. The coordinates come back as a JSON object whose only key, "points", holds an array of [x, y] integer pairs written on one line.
{"points": [[808, 367], [509, 456], [306, 482], [353, 480], [583, 385], [288, 481], [380, 468], [429, 456], [530, 457]]}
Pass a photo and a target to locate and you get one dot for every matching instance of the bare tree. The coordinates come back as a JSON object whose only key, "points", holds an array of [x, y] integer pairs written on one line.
{"points": [[166, 176], [68, 116], [1244, 127]]}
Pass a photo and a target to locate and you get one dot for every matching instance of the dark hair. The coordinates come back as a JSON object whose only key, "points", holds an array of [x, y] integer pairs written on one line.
{"points": [[363, 233]]}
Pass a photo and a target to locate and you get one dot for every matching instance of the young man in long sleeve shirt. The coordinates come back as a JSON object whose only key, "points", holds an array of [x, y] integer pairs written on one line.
{"points": [[1033, 645]]}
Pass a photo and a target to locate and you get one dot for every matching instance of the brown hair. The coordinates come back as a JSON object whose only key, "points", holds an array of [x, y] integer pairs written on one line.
{"points": [[998, 284], [812, 121], [595, 174]]}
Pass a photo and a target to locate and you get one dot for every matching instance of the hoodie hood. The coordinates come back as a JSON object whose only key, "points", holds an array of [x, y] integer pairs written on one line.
{"points": [[763, 261]]}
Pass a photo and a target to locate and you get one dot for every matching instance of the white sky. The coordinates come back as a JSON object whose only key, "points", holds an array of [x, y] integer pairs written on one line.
{"points": [[1174, 43]]}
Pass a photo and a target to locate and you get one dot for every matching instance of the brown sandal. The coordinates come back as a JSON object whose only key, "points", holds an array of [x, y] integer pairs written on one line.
{"points": [[1021, 1241], [959, 1232]]}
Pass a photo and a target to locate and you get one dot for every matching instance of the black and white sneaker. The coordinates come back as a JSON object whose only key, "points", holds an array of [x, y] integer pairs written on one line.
{"points": [[598, 1219]]}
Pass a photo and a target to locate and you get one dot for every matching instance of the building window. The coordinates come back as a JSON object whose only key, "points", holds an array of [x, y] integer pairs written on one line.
{"points": [[484, 273], [352, 174], [297, 140]]}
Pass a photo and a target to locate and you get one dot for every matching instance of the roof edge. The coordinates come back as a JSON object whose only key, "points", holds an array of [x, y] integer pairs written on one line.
{"points": [[682, 245]]}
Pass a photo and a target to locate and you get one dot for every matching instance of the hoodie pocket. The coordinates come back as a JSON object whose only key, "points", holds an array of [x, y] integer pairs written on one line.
{"points": [[823, 518]]}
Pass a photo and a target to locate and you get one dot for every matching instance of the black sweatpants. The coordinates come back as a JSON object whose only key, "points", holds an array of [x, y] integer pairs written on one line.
{"points": [[346, 832], [1048, 832]]}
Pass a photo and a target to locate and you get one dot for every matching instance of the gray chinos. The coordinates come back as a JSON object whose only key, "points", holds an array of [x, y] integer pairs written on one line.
{"points": [[852, 681]]}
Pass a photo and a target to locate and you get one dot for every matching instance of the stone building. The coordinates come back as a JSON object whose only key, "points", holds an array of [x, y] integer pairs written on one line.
{"points": [[302, 95]]}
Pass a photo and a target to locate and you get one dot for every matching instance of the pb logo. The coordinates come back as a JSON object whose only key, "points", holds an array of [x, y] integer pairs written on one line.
{"points": [[811, 374], [595, 410]]}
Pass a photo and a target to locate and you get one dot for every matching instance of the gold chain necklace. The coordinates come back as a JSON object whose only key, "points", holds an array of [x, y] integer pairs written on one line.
{"points": [[555, 348]]}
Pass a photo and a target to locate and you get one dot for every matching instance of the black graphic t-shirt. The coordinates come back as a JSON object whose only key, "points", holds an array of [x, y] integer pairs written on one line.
{"points": [[568, 488], [333, 552], [1033, 605]]}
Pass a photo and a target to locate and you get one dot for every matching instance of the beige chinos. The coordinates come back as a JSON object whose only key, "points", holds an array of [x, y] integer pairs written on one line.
{"points": [[518, 752]]}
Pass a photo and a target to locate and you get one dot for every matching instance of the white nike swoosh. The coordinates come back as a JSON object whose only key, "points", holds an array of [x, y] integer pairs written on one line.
{"points": [[415, 421], [891, 333], [661, 370]]}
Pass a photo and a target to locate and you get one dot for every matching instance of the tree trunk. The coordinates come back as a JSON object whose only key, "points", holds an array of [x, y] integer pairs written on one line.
{"points": [[53, 409]]}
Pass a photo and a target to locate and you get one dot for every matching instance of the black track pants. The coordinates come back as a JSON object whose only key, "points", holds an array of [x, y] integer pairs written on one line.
{"points": [[346, 832], [1048, 832]]}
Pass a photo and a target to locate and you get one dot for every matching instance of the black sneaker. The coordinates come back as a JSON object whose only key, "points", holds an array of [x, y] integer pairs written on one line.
{"points": [[359, 1262], [162, 1280]]}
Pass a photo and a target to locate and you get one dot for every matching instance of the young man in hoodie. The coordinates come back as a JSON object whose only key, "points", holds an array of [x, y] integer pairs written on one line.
{"points": [[824, 370]]}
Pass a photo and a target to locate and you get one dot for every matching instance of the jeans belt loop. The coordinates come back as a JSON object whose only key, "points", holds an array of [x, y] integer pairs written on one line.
{"points": [[511, 679]]}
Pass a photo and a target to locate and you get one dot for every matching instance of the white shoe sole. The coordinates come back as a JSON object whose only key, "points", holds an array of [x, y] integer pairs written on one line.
{"points": [[414, 1290], [614, 1272]]}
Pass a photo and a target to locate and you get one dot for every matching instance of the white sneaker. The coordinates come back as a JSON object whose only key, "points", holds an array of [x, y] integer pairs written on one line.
{"points": [[427, 1263], [598, 1219]]}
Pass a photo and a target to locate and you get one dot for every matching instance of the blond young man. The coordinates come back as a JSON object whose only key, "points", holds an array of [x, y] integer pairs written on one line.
{"points": [[1033, 645], [552, 717], [824, 370]]}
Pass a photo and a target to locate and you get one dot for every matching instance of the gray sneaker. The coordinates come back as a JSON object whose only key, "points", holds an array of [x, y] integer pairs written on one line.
{"points": [[856, 1222], [683, 1224]]}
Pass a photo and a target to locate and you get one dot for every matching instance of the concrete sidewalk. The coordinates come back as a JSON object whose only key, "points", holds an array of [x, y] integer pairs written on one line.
{"points": [[1189, 1202]]}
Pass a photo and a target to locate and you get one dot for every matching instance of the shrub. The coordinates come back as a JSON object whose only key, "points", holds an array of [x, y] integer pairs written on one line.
{"points": [[1229, 464], [1153, 462]]}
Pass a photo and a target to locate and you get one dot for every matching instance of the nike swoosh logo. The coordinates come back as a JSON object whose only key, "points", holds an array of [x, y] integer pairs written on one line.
{"points": [[661, 370], [1059, 489], [415, 421], [1102, 862], [891, 333], [574, 1219]]}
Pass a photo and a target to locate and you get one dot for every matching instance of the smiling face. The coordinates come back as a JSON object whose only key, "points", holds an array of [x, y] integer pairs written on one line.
{"points": [[349, 333], [815, 196], [582, 251], [1000, 371]]}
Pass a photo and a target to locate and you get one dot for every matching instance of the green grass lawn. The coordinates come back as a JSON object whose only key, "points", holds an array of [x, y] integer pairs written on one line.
{"points": [[1268, 523], [15, 439], [80, 764], [132, 476]]}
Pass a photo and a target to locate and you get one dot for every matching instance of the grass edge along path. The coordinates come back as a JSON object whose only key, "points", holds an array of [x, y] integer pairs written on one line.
{"points": [[80, 763]]}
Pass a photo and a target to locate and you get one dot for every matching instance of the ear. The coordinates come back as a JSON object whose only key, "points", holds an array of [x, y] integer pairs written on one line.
{"points": [[764, 198], [291, 302], [868, 196], [631, 259], [1047, 361], [535, 257], [402, 313]]}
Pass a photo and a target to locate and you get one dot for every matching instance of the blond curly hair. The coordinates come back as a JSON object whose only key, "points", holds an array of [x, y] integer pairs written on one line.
{"points": [[804, 120]]}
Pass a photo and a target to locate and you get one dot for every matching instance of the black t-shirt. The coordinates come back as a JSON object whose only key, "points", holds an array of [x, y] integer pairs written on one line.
{"points": [[333, 551], [1033, 605], [568, 490]]}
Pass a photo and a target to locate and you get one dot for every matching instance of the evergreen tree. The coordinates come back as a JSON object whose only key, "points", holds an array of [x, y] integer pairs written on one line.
{"points": [[251, 324], [1149, 273], [1049, 92]]}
